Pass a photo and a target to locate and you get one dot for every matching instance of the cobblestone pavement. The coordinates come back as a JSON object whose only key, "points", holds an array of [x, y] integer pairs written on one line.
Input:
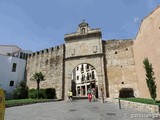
{"points": [[76, 110]]}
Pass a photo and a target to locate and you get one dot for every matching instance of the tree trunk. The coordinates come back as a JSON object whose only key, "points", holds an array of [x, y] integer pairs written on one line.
{"points": [[38, 90]]}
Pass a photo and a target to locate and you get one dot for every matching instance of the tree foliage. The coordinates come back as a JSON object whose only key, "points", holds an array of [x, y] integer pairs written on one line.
{"points": [[150, 79], [21, 91], [38, 77]]}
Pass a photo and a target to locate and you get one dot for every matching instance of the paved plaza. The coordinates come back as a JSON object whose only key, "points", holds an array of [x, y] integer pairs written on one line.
{"points": [[76, 110]]}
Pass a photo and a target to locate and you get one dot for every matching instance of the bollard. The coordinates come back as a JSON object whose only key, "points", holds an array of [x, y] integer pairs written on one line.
{"points": [[119, 103], [2, 104]]}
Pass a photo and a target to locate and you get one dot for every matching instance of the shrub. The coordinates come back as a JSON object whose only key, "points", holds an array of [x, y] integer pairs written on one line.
{"points": [[32, 93], [48, 93], [21, 91], [42, 94]]}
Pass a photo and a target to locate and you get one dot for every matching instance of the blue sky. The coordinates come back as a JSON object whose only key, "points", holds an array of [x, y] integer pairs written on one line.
{"points": [[39, 24]]}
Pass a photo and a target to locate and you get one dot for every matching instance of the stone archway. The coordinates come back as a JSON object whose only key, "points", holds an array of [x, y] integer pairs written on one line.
{"points": [[96, 61], [85, 48], [126, 93]]}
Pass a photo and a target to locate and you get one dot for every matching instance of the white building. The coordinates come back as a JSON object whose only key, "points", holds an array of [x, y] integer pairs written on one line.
{"points": [[12, 67], [9, 49], [84, 76]]}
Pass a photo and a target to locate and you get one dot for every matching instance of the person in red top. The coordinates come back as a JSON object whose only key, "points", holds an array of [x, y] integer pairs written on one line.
{"points": [[89, 93]]}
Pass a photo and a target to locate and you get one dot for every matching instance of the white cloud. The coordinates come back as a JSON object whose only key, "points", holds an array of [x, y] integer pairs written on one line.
{"points": [[136, 19]]}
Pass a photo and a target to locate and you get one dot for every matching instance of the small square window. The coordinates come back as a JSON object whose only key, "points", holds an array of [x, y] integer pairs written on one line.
{"points": [[11, 83], [14, 67], [77, 68]]}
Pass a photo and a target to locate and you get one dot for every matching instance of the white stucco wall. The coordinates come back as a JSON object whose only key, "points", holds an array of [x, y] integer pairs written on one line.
{"points": [[6, 74]]}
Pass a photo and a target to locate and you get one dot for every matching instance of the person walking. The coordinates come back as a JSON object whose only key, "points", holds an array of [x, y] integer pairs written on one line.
{"points": [[89, 93], [102, 95], [93, 94], [70, 95]]}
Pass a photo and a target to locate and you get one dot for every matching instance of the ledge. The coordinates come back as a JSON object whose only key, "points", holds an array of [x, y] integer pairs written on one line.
{"points": [[34, 102], [138, 106], [83, 56]]}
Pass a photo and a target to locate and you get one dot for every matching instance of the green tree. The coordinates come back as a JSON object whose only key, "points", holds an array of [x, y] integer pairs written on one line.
{"points": [[21, 91], [150, 79], [38, 77]]}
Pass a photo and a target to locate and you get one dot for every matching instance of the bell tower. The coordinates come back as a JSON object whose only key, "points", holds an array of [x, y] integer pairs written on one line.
{"points": [[83, 27], [84, 41]]}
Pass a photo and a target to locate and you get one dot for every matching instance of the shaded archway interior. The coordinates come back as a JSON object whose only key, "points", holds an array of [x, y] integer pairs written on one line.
{"points": [[126, 93]]}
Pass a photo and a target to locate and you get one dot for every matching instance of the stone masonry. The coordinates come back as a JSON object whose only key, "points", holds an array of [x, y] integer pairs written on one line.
{"points": [[112, 59], [120, 66], [50, 63]]}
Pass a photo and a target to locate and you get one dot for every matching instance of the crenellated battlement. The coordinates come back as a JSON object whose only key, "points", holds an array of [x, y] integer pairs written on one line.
{"points": [[46, 51]]}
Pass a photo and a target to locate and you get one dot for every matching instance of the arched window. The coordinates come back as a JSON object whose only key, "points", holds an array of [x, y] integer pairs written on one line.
{"points": [[83, 30]]}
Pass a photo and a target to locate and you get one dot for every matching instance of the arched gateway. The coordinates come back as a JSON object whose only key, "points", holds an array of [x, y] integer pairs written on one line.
{"points": [[85, 46], [113, 61]]}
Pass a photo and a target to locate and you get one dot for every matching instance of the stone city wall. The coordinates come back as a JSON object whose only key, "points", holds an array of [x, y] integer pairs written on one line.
{"points": [[50, 62], [120, 65]]}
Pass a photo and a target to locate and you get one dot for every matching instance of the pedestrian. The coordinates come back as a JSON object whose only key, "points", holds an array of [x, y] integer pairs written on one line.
{"points": [[89, 93], [70, 95], [102, 95], [93, 94]]}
